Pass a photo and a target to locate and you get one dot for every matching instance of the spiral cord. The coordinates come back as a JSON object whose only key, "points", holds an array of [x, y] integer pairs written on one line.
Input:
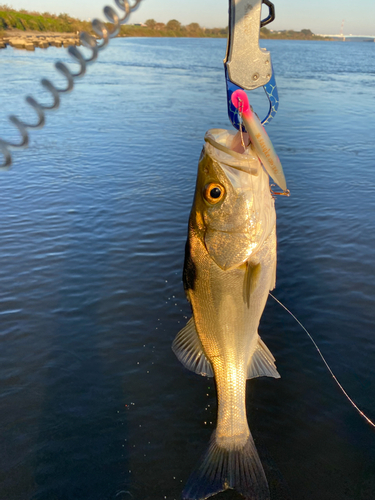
{"points": [[104, 34]]}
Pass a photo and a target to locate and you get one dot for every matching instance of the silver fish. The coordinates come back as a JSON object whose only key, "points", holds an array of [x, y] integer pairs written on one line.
{"points": [[230, 266]]}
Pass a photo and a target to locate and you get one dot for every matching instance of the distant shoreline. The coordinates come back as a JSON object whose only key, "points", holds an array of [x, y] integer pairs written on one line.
{"points": [[25, 24], [30, 40], [133, 31]]}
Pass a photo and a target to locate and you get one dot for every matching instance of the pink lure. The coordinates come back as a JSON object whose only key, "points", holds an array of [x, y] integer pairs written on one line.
{"points": [[259, 138]]}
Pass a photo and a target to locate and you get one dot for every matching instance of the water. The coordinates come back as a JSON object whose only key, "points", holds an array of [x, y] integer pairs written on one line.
{"points": [[93, 403]]}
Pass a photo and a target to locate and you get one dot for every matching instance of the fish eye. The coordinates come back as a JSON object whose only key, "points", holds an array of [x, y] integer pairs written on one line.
{"points": [[214, 192]]}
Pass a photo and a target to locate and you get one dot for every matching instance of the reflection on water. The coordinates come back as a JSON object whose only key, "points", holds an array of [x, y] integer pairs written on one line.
{"points": [[93, 403]]}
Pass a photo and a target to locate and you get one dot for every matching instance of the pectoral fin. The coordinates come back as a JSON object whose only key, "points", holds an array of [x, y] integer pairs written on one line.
{"points": [[273, 281], [251, 280], [262, 363], [188, 349]]}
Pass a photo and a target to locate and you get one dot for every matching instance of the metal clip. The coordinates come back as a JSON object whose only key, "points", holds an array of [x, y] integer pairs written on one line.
{"points": [[247, 66]]}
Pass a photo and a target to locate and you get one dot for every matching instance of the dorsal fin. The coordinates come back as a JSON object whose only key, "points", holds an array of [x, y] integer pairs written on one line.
{"points": [[262, 363], [188, 349]]}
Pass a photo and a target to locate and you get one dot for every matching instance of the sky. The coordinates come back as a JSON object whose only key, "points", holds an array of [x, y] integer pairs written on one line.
{"points": [[321, 16]]}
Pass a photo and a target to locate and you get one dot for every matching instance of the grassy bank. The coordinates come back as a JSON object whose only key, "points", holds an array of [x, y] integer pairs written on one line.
{"points": [[25, 20]]}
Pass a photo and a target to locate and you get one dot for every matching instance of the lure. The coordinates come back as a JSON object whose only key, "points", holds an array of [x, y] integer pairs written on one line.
{"points": [[259, 138]]}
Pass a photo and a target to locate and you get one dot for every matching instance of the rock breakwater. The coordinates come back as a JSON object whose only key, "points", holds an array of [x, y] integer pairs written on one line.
{"points": [[42, 41]]}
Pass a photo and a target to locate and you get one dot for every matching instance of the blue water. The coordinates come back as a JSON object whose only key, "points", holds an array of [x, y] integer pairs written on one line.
{"points": [[93, 403]]}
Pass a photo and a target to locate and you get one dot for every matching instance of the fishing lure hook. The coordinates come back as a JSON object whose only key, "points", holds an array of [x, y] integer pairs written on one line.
{"points": [[104, 34]]}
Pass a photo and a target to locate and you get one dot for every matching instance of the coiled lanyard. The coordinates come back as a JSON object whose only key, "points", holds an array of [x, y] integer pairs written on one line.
{"points": [[104, 34]]}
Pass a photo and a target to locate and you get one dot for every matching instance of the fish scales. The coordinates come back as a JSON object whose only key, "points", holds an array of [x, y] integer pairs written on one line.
{"points": [[230, 266]]}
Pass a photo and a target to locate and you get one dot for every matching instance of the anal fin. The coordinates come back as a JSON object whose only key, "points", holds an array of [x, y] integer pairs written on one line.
{"points": [[188, 349], [262, 363]]}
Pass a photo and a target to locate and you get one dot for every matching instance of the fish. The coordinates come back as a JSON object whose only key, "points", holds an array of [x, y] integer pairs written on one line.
{"points": [[229, 269]]}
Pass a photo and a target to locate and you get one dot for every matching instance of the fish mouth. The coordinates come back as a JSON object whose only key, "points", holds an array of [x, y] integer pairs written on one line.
{"points": [[218, 146], [234, 154]]}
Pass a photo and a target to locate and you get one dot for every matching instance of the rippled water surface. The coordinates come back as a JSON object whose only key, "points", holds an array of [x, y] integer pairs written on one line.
{"points": [[93, 403]]}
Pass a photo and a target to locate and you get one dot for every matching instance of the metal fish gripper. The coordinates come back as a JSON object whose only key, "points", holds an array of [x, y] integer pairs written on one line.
{"points": [[248, 66]]}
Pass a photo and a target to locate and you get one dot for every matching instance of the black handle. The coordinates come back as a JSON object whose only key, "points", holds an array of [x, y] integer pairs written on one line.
{"points": [[271, 13]]}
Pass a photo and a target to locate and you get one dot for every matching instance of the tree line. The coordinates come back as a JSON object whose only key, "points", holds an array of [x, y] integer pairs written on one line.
{"points": [[31, 20], [63, 23], [173, 28]]}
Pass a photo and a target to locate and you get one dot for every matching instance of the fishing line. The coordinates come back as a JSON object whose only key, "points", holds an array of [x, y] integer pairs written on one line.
{"points": [[369, 421]]}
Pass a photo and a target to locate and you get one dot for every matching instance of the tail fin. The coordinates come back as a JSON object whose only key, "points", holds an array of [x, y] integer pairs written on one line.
{"points": [[238, 468]]}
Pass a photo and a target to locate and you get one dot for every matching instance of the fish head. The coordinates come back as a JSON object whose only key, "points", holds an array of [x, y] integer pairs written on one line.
{"points": [[233, 210]]}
